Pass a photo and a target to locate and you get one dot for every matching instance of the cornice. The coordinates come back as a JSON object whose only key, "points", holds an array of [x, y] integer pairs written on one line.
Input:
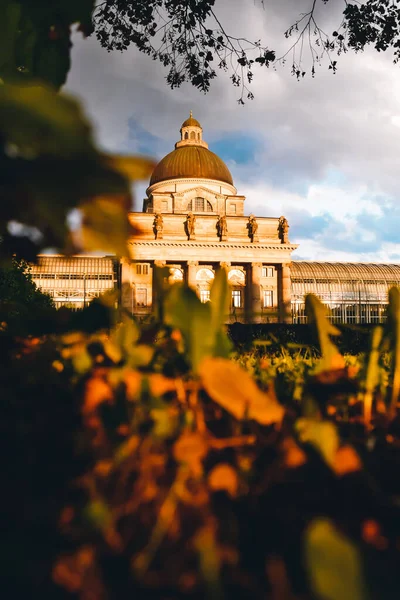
{"points": [[193, 244], [199, 180]]}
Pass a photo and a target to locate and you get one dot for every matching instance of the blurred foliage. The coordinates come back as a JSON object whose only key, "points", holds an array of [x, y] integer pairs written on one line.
{"points": [[49, 165], [184, 474], [35, 38]]}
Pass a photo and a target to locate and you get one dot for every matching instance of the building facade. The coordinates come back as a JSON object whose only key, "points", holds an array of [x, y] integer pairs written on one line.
{"points": [[194, 222]]}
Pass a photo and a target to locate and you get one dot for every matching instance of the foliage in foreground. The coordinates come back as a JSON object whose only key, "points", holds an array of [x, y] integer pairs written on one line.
{"points": [[147, 464]]}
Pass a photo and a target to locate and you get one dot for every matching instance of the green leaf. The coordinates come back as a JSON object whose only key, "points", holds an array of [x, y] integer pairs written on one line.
{"points": [[372, 376], [219, 297], [82, 362], [105, 225], [98, 514], [49, 165], [393, 325], [333, 563], [317, 317], [10, 17], [184, 311], [35, 38], [322, 435], [37, 121]]}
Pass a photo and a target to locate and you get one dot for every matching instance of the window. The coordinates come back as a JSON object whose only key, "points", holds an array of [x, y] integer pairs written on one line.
{"points": [[142, 269], [204, 295], [200, 205], [186, 136], [175, 275], [236, 298], [192, 135], [205, 274], [236, 277], [268, 298], [233, 208], [141, 297], [267, 271]]}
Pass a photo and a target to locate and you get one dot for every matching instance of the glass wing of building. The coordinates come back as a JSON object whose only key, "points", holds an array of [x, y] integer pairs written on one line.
{"points": [[353, 292], [75, 281]]}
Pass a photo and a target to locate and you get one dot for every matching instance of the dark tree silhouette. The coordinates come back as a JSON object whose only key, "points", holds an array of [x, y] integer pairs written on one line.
{"points": [[188, 38]]}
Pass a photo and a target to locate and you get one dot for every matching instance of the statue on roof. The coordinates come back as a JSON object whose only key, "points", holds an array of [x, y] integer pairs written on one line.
{"points": [[190, 225], [252, 227], [283, 229], [222, 226], [158, 225]]}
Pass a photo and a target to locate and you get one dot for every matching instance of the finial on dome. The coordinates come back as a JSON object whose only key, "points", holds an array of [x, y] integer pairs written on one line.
{"points": [[191, 114]]}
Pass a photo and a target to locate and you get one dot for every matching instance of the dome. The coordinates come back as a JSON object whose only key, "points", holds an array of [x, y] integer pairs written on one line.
{"points": [[191, 122], [191, 162]]}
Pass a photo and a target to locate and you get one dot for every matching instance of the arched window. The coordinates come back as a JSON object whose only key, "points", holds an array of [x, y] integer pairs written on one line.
{"points": [[199, 205], [204, 275], [186, 136], [198, 136], [175, 275], [192, 135], [236, 277]]}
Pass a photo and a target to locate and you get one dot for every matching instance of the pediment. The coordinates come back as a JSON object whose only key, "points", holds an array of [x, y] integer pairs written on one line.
{"points": [[198, 191]]}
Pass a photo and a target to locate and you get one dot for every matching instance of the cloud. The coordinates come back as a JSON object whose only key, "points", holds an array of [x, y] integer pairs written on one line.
{"points": [[322, 151]]}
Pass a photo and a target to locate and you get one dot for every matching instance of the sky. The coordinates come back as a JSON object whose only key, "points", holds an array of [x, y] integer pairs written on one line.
{"points": [[322, 151]]}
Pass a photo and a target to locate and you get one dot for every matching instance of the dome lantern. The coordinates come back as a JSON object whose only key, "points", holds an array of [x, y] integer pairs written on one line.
{"points": [[191, 133]]}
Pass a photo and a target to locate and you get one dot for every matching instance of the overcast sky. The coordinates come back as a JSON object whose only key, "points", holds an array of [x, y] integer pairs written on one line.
{"points": [[324, 152]]}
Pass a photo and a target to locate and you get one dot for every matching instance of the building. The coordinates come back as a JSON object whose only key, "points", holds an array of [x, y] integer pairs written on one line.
{"points": [[193, 222], [75, 281]]}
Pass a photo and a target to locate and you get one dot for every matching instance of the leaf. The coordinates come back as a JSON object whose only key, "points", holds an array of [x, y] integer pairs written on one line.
{"points": [[372, 377], [105, 225], [333, 563], [126, 334], [99, 515], [36, 38], [206, 545], [132, 167], [49, 164], [82, 361], [232, 388], [184, 311], [190, 448], [322, 435], [10, 18], [224, 477], [317, 317], [38, 121], [219, 297], [127, 448], [393, 324], [97, 391]]}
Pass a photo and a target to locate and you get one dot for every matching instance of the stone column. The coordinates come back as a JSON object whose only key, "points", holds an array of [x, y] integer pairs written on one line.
{"points": [[191, 273], [256, 300], [226, 266], [285, 295], [155, 283], [248, 295]]}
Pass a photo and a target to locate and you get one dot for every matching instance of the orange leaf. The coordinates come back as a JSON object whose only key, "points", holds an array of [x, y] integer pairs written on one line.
{"points": [[132, 167], [232, 387], [97, 391], [224, 477]]}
